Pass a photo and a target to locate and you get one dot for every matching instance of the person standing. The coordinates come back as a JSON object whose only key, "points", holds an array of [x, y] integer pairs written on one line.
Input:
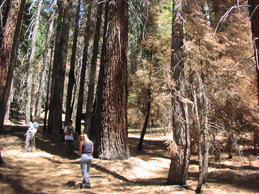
{"points": [[86, 149], [30, 134], [69, 132]]}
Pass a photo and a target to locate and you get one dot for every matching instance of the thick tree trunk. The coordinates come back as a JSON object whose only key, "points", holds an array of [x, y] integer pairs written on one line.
{"points": [[8, 49], [253, 9], [30, 65], [9, 83], [53, 109], [180, 161], [71, 80], [92, 75], [112, 133], [178, 171], [55, 112], [46, 56], [96, 116], [82, 80]]}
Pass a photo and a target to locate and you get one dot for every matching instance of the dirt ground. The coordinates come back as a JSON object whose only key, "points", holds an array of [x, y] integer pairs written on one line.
{"points": [[47, 170]]}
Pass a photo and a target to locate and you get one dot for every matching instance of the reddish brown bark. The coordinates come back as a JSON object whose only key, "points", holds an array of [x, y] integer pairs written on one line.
{"points": [[254, 12], [6, 41], [112, 133], [8, 86]]}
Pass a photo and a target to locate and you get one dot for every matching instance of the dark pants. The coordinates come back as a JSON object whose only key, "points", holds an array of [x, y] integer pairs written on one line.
{"points": [[69, 147], [29, 141]]}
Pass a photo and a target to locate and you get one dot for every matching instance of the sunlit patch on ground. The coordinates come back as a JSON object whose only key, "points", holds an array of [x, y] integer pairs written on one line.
{"points": [[35, 154], [48, 170]]}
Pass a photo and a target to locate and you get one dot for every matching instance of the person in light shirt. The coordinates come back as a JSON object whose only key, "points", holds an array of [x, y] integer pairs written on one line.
{"points": [[32, 130], [69, 132]]}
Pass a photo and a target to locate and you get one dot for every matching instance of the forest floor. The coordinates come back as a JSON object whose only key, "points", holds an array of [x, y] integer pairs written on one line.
{"points": [[47, 170]]}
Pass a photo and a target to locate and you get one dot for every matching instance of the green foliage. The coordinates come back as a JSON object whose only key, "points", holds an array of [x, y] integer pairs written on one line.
{"points": [[27, 28], [132, 96], [165, 20]]}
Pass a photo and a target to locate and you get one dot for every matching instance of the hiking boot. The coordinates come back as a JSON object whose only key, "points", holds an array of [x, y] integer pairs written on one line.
{"points": [[84, 187]]}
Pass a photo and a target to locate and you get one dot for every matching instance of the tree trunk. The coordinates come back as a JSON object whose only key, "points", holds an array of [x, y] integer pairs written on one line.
{"points": [[203, 151], [71, 80], [9, 83], [92, 75], [47, 92], [199, 134], [205, 158], [55, 112], [253, 9], [52, 109], [230, 145], [180, 161], [178, 171], [143, 132], [30, 65], [10, 93], [206, 142], [96, 116], [46, 56], [112, 132], [82, 80], [8, 49]]}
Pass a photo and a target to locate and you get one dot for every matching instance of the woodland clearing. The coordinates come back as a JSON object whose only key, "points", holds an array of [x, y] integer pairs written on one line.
{"points": [[47, 170]]}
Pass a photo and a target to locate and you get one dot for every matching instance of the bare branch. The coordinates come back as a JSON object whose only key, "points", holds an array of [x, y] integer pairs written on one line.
{"points": [[243, 71]]}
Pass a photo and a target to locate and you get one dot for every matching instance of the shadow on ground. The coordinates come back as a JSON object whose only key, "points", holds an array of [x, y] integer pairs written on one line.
{"points": [[224, 174]]}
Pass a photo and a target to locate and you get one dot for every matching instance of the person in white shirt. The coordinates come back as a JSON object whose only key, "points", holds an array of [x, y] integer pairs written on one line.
{"points": [[69, 132], [32, 129]]}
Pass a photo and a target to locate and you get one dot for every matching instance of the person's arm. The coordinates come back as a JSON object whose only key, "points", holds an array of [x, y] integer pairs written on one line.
{"points": [[35, 127], [81, 143], [92, 148], [26, 132], [66, 132]]}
